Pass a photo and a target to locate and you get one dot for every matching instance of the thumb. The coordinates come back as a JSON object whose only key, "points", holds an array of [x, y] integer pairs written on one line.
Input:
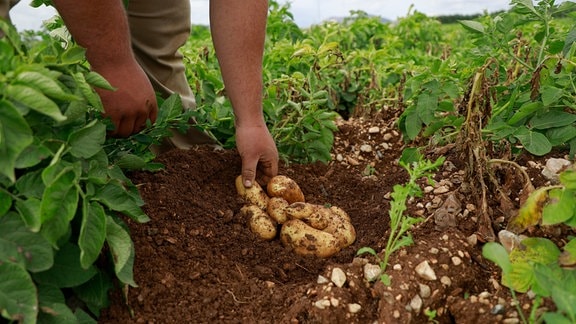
{"points": [[248, 173]]}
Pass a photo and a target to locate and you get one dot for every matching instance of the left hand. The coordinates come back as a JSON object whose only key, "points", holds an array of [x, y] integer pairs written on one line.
{"points": [[257, 151]]}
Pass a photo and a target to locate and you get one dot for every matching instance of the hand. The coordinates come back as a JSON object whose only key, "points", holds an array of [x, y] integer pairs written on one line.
{"points": [[257, 150], [132, 103]]}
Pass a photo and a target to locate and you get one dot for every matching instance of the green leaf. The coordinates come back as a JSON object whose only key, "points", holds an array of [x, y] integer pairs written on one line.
{"points": [[29, 211], [497, 254], [32, 156], [122, 249], [5, 202], [22, 246], [15, 136], [534, 142], [115, 197], [92, 233], [473, 26], [59, 205], [525, 111], [35, 100], [552, 119], [551, 95], [67, 271], [96, 80], [413, 124], [555, 318], [565, 301], [521, 277], [44, 84], [87, 141], [560, 206], [53, 306], [568, 179], [18, 299], [94, 293]]}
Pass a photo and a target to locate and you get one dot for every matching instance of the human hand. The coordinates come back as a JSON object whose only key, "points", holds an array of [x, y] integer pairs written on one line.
{"points": [[132, 103], [257, 151]]}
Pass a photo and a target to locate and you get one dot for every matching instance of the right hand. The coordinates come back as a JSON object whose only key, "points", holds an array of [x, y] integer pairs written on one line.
{"points": [[132, 102]]}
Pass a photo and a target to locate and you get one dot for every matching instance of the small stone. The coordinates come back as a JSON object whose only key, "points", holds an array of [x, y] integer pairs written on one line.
{"points": [[372, 272], [416, 303], [387, 136], [511, 321], [322, 304], [374, 130], [334, 302], [446, 281], [396, 314], [554, 167], [472, 239], [338, 277], [424, 271], [456, 261], [270, 284], [397, 267], [428, 189], [339, 157], [366, 148], [441, 190], [354, 308], [485, 295], [434, 250], [322, 280], [425, 291]]}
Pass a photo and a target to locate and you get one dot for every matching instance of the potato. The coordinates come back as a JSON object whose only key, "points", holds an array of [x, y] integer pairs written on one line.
{"points": [[276, 209], [282, 186], [314, 215], [342, 230], [260, 223], [306, 240], [254, 195]]}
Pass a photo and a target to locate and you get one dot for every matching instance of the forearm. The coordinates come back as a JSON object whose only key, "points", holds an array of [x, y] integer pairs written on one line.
{"points": [[238, 32], [101, 27]]}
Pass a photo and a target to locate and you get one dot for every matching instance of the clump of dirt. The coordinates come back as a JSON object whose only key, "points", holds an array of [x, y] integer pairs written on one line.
{"points": [[198, 262]]}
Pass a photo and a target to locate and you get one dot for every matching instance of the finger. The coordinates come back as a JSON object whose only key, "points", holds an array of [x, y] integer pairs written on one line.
{"points": [[269, 169], [248, 172]]}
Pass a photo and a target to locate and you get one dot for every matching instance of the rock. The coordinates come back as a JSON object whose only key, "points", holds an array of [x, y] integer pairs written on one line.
{"points": [[338, 277], [322, 280], [334, 302], [366, 148], [416, 304], [322, 304], [425, 290], [424, 271], [374, 130], [441, 190], [509, 240], [456, 261], [498, 310], [554, 167], [372, 272], [446, 281], [445, 216], [354, 308]]}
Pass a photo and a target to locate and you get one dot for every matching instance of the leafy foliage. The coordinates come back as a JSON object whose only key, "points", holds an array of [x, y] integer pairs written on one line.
{"points": [[63, 192]]}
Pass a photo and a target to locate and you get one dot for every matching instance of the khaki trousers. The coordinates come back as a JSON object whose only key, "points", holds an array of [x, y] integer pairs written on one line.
{"points": [[158, 30]]}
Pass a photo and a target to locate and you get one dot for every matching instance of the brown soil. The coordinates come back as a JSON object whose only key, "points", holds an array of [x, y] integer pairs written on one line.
{"points": [[197, 261]]}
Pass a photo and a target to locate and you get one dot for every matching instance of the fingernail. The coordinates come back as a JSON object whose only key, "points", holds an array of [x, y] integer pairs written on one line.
{"points": [[247, 183]]}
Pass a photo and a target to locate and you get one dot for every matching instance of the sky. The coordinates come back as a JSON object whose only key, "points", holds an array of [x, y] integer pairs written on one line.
{"points": [[306, 12]]}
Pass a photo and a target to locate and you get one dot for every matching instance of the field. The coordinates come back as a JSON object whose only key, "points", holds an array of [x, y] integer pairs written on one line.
{"points": [[450, 146]]}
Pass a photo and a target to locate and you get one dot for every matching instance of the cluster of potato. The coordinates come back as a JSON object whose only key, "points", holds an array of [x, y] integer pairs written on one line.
{"points": [[307, 228]]}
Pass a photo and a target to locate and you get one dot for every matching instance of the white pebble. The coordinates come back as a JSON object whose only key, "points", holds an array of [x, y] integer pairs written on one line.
{"points": [[372, 271], [338, 277], [425, 291], [334, 302], [366, 148], [322, 304], [374, 130], [446, 281], [441, 190], [322, 280], [424, 271], [456, 261], [354, 308], [416, 303]]}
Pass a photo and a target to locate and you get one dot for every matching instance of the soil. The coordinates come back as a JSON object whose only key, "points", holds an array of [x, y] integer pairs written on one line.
{"points": [[198, 262]]}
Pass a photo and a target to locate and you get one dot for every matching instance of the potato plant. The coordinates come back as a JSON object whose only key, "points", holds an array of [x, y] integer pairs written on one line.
{"points": [[63, 192]]}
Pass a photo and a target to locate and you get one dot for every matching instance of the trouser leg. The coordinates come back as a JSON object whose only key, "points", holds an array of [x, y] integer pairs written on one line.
{"points": [[5, 6], [159, 29]]}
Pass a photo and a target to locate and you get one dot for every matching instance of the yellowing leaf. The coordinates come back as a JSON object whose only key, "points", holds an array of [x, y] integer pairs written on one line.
{"points": [[530, 213]]}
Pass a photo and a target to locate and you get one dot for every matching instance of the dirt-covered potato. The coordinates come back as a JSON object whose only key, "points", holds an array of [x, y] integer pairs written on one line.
{"points": [[254, 195], [276, 209], [315, 215], [342, 229], [284, 187], [260, 223], [306, 240]]}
